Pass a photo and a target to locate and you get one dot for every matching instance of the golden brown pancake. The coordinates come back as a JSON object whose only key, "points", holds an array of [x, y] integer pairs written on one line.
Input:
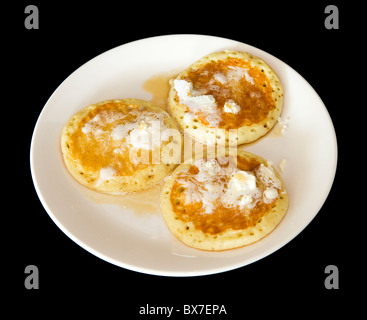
{"points": [[227, 97], [223, 202], [118, 146]]}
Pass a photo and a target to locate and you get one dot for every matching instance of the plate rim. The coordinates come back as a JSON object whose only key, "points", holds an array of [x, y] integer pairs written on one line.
{"points": [[149, 271]]}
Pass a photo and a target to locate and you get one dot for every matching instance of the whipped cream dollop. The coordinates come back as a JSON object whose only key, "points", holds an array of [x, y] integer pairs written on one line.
{"points": [[146, 131], [239, 189], [205, 104]]}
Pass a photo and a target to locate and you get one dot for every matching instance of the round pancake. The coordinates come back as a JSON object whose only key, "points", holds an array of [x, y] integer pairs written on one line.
{"points": [[227, 97], [223, 202], [119, 146]]}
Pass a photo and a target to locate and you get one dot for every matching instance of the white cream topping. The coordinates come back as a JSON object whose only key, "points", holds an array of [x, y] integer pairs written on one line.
{"points": [[182, 87], [233, 73], [187, 96], [95, 125], [241, 189], [147, 135], [267, 176], [207, 169], [206, 104], [220, 77], [145, 132], [87, 128], [237, 73], [213, 188], [120, 132], [242, 182], [270, 194], [210, 189], [92, 126], [105, 174], [199, 101], [231, 107]]}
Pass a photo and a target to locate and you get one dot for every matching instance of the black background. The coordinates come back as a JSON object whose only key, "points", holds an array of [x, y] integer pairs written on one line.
{"points": [[290, 282]]}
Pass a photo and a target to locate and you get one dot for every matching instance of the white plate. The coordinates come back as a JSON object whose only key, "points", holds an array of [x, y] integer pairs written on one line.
{"points": [[142, 242]]}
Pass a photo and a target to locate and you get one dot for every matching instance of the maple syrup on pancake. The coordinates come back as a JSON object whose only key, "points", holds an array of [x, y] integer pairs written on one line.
{"points": [[145, 201], [148, 201]]}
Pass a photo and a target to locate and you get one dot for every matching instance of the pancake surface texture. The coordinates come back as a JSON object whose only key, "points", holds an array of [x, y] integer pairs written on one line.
{"points": [[117, 146], [223, 203], [224, 91]]}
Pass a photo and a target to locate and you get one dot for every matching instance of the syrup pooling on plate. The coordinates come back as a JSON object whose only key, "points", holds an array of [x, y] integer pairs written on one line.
{"points": [[158, 86]]}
